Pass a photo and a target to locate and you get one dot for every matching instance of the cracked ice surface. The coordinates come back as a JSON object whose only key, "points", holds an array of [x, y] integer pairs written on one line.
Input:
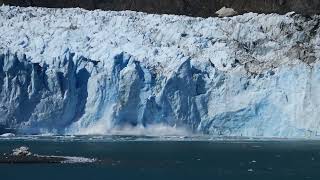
{"points": [[73, 71]]}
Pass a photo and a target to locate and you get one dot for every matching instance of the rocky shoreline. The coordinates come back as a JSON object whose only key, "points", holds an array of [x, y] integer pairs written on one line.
{"points": [[198, 8]]}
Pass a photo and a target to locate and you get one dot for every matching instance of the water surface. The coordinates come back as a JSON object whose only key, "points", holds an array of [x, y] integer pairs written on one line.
{"points": [[139, 157]]}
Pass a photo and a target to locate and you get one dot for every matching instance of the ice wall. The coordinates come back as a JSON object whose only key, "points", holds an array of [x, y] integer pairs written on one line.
{"points": [[93, 72]]}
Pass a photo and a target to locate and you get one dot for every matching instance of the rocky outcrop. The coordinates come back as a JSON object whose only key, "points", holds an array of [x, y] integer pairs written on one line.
{"points": [[203, 8]]}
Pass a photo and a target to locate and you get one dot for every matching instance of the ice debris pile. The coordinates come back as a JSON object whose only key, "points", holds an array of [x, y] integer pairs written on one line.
{"points": [[23, 155], [21, 151], [72, 71]]}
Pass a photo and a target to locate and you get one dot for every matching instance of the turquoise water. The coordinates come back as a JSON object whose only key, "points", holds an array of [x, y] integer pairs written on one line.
{"points": [[126, 157]]}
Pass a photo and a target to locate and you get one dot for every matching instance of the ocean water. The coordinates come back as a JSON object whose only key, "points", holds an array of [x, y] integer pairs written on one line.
{"points": [[138, 157]]}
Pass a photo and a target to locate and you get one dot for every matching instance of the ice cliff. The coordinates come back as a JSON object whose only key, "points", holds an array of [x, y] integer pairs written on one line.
{"points": [[72, 71]]}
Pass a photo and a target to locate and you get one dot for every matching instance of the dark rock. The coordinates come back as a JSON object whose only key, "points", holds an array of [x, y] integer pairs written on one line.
{"points": [[202, 8], [10, 159]]}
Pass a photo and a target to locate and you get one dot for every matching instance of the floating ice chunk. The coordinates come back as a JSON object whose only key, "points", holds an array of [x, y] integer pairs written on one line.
{"points": [[7, 135], [21, 151]]}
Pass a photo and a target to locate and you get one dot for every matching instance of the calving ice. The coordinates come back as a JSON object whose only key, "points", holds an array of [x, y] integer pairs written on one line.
{"points": [[72, 71]]}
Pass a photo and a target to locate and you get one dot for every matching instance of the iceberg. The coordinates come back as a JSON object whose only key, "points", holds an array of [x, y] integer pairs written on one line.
{"points": [[73, 71]]}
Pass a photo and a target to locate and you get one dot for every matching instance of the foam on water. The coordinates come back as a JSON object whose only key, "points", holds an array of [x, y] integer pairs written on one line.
{"points": [[75, 160]]}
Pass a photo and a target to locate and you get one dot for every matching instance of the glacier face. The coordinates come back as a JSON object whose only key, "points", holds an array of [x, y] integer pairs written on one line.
{"points": [[72, 71]]}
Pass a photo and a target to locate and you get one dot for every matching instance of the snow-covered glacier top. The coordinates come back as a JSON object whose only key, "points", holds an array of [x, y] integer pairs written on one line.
{"points": [[73, 71]]}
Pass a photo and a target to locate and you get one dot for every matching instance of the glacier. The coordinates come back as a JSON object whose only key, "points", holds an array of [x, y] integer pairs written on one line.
{"points": [[73, 71]]}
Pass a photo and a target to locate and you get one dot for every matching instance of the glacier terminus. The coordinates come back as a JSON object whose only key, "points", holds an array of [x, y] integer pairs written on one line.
{"points": [[73, 71]]}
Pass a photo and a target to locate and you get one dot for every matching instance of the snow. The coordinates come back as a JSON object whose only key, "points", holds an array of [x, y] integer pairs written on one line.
{"points": [[72, 71], [224, 12]]}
